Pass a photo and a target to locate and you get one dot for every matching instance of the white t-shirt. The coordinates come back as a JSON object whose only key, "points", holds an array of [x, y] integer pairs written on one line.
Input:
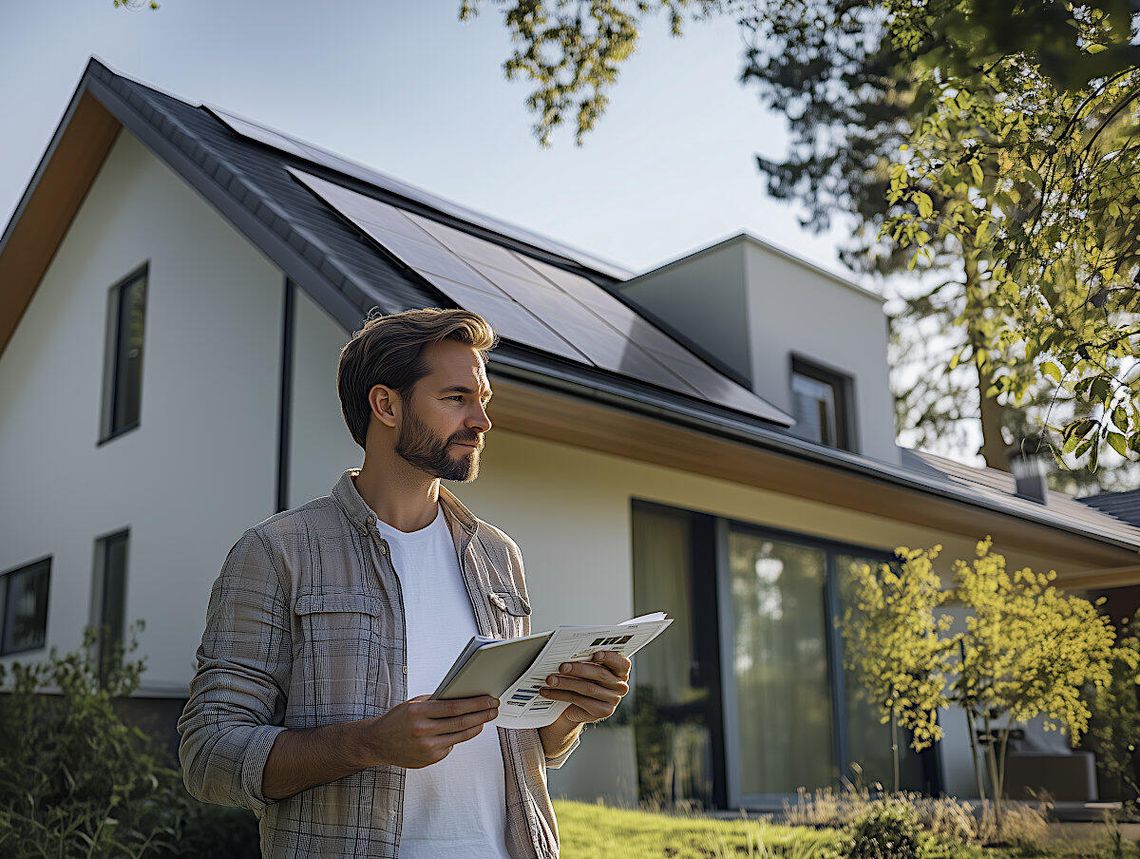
{"points": [[456, 807]]}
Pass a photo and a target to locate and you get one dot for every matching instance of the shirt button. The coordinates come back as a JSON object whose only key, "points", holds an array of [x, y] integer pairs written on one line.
{"points": [[405, 670]]}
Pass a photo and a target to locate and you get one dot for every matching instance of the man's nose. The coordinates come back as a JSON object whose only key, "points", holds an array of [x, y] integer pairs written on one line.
{"points": [[480, 419]]}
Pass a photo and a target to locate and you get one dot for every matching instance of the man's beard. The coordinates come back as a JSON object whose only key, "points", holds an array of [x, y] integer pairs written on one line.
{"points": [[420, 448]]}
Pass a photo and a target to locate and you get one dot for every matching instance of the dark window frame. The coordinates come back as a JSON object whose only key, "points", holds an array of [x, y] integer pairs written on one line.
{"points": [[6, 579], [843, 384], [111, 353]]}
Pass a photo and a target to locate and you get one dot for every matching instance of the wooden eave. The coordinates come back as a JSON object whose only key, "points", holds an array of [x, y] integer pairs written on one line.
{"points": [[554, 416], [57, 190]]}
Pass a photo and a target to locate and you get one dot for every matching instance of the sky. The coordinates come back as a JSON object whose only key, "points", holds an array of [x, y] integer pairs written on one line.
{"points": [[410, 90]]}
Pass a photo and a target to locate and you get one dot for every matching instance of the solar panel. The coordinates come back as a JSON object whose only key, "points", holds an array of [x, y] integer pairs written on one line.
{"points": [[259, 133], [536, 304], [474, 250], [507, 317]]}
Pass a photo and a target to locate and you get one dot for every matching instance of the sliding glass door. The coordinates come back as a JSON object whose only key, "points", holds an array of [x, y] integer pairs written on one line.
{"points": [[745, 700], [783, 709]]}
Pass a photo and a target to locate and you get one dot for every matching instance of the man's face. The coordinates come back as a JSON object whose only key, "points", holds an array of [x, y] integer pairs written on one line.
{"points": [[444, 421]]}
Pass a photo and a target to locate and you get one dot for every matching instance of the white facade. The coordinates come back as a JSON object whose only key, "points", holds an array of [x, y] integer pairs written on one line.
{"points": [[201, 465], [755, 307]]}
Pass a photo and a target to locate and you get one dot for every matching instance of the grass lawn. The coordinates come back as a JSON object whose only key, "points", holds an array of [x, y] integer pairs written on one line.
{"points": [[597, 832], [591, 831]]}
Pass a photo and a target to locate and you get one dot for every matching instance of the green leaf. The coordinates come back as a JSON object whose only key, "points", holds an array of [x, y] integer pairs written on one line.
{"points": [[1118, 443], [924, 203], [1052, 371]]}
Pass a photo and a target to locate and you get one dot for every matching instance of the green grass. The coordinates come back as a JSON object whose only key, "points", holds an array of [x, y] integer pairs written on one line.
{"points": [[599, 832]]}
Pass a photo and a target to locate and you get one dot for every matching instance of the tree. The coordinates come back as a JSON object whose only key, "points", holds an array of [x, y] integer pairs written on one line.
{"points": [[896, 645], [1028, 650], [831, 67], [1114, 732], [1057, 220], [573, 50]]}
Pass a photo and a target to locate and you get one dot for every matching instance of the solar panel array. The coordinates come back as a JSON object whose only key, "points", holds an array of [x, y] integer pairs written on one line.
{"points": [[536, 304], [300, 149]]}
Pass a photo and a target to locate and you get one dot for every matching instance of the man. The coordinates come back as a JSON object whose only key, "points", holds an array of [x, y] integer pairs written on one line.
{"points": [[329, 624]]}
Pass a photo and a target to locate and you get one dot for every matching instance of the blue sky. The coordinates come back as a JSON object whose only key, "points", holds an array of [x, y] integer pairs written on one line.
{"points": [[408, 89]]}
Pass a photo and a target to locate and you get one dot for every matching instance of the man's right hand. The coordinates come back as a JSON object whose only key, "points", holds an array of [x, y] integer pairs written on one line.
{"points": [[420, 732]]}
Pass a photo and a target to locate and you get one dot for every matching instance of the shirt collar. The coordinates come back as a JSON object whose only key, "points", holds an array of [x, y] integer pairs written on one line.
{"points": [[460, 520]]}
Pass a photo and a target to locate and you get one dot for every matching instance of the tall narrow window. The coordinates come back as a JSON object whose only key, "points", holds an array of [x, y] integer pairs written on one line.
{"points": [[24, 601], [821, 405], [110, 603], [122, 374]]}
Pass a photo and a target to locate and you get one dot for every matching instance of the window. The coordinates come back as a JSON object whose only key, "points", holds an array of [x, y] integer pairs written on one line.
{"points": [[123, 358], [109, 605], [821, 405], [746, 699], [23, 607]]}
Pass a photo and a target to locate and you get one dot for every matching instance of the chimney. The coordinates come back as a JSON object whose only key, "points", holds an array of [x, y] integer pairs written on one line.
{"points": [[1030, 471]]}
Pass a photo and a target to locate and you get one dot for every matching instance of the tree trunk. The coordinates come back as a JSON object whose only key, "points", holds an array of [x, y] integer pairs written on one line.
{"points": [[895, 750], [994, 449]]}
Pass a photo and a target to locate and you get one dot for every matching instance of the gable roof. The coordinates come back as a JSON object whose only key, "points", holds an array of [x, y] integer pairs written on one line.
{"points": [[249, 179], [249, 176]]}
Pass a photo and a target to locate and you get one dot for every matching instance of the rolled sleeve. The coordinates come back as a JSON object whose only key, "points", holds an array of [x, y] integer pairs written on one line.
{"points": [[555, 762], [237, 697]]}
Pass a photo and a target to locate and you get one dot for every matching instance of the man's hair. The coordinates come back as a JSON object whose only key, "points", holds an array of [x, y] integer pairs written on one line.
{"points": [[388, 350]]}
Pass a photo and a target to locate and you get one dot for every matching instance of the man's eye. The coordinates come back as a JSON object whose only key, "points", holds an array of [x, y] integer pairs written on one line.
{"points": [[456, 397]]}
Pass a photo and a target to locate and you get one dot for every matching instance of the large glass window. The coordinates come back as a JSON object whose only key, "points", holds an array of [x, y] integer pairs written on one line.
{"points": [[868, 740], [745, 699], [783, 710], [24, 600], [122, 374]]}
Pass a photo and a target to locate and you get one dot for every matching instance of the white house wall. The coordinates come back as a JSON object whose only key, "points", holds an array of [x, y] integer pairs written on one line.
{"points": [[203, 459], [794, 308], [321, 446], [702, 297]]}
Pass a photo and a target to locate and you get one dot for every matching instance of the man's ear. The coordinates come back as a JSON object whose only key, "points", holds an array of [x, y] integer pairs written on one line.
{"points": [[385, 404]]}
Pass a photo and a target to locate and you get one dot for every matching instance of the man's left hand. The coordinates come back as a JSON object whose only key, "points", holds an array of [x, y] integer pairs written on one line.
{"points": [[593, 689]]}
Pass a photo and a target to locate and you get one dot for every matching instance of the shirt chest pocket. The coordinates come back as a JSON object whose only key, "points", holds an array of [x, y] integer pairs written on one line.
{"points": [[510, 612], [344, 654]]}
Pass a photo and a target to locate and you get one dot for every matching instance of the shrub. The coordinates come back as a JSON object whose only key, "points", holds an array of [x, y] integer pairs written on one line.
{"points": [[78, 781], [886, 830]]}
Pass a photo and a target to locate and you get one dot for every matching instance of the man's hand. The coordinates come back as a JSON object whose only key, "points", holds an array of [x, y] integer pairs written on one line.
{"points": [[594, 688], [420, 732]]}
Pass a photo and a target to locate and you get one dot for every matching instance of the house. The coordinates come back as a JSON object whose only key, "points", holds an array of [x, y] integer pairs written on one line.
{"points": [[713, 438]]}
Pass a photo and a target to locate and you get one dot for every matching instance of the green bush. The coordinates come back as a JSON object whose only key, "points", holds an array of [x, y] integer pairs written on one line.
{"points": [[78, 781], [886, 830]]}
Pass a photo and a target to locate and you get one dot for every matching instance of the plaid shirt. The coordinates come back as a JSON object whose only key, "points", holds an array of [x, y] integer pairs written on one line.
{"points": [[305, 627]]}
